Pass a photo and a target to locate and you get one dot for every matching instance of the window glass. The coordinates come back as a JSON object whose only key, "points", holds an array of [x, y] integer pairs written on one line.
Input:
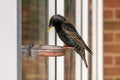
{"points": [[34, 21], [34, 24], [70, 56]]}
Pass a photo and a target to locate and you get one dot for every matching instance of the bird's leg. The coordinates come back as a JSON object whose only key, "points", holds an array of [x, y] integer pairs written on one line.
{"points": [[68, 47]]}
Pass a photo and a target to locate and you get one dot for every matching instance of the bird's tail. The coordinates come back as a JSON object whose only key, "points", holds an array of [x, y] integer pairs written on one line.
{"points": [[85, 62], [88, 49], [84, 59]]}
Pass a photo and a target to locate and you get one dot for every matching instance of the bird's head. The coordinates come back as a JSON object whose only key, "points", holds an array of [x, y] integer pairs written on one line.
{"points": [[56, 21]]}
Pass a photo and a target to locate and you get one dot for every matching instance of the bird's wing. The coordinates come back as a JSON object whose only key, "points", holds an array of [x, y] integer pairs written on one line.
{"points": [[70, 30]]}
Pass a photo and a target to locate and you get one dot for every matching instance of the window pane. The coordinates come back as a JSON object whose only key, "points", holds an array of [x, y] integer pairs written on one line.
{"points": [[34, 24], [34, 21], [70, 56]]}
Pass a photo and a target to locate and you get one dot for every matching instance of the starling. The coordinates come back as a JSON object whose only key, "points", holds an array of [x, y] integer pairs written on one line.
{"points": [[68, 34]]}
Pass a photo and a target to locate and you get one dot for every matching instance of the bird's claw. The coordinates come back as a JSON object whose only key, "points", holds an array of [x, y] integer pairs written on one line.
{"points": [[68, 47]]}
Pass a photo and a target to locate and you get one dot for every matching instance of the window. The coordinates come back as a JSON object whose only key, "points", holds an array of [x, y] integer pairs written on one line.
{"points": [[10, 55], [85, 15]]}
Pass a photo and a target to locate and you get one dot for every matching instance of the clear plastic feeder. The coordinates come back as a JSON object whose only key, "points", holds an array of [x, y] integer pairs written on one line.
{"points": [[35, 61]]}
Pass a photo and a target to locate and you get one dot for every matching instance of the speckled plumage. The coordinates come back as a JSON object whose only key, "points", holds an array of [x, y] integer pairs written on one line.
{"points": [[68, 34]]}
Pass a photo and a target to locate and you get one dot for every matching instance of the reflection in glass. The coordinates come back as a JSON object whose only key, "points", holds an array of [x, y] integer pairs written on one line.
{"points": [[34, 24], [34, 21], [70, 56]]}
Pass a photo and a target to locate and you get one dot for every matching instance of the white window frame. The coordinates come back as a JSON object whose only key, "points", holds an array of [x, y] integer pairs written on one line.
{"points": [[97, 40]]}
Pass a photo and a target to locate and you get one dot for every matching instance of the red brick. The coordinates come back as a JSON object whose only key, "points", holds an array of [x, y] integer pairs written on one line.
{"points": [[112, 48], [108, 79], [108, 14], [117, 37], [112, 25], [111, 3], [117, 60], [117, 78], [111, 73], [108, 60], [108, 37], [118, 14], [25, 13], [114, 71]]}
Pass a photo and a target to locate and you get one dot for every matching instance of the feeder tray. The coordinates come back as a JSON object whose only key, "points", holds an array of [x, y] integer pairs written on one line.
{"points": [[50, 50]]}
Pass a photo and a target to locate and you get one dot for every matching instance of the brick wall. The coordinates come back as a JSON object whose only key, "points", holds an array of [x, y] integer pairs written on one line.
{"points": [[111, 39]]}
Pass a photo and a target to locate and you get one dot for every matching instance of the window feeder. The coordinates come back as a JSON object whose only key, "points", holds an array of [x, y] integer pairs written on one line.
{"points": [[35, 60]]}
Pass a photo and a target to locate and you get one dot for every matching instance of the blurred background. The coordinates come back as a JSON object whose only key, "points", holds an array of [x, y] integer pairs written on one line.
{"points": [[34, 25]]}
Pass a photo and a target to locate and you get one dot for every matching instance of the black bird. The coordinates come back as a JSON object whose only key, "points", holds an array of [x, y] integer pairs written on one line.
{"points": [[68, 34]]}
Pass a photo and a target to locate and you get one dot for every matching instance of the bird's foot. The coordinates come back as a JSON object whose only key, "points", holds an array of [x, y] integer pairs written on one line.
{"points": [[68, 47]]}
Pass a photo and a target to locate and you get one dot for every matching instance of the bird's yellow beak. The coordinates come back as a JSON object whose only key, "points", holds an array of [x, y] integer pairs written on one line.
{"points": [[48, 29]]}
